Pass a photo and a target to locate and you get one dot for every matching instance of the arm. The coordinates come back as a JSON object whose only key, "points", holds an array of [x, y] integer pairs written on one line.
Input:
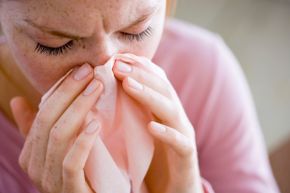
{"points": [[232, 153]]}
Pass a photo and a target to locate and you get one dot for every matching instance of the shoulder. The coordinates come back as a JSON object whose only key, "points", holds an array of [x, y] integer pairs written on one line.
{"points": [[185, 35], [184, 39], [186, 49], [217, 99], [205, 74], [194, 59]]}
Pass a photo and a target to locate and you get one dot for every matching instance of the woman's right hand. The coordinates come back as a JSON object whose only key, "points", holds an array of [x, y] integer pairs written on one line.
{"points": [[55, 150]]}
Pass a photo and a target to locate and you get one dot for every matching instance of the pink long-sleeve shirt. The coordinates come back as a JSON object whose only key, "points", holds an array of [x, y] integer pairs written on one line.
{"points": [[216, 98]]}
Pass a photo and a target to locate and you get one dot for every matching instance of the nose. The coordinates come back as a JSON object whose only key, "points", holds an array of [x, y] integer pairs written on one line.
{"points": [[102, 51]]}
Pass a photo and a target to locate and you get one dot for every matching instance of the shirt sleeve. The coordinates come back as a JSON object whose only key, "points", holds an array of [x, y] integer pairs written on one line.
{"points": [[231, 150], [13, 181]]}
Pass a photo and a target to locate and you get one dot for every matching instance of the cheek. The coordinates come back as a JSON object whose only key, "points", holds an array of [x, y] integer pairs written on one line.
{"points": [[43, 71], [40, 71]]}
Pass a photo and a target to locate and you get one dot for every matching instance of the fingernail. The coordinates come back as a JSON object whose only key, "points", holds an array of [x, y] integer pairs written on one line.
{"points": [[158, 127], [134, 84], [91, 87], [92, 127], [123, 67], [82, 72]]}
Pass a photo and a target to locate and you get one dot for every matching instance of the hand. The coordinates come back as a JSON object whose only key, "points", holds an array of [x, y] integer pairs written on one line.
{"points": [[147, 84], [56, 149]]}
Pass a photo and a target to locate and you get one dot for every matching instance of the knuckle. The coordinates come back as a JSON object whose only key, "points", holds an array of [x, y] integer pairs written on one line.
{"points": [[175, 137], [170, 94], [34, 175], [161, 70], [188, 147], [189, 150], [42, 118], [47, 185], [169, 87], [171, 111], [150, 95], [138, 75], [165, 88], [81, 145], [163, 73], [44, 184], [55, 134], [157, 68], [146, 61], [69, 168], [22, 161], [76, 106], [184, 145], [164, 77]]}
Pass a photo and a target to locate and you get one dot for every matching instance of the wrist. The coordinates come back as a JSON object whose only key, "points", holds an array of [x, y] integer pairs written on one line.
{"points": [[187, 180]]}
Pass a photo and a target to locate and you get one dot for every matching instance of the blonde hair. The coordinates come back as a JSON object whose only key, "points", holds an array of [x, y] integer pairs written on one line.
{"points": [[170, 7]]}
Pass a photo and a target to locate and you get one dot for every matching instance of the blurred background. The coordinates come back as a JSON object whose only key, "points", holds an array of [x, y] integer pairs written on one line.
{"points": [[258, 32]]}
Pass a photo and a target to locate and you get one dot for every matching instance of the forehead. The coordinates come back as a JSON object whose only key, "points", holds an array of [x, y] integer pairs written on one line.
{"points": [[87, 13]]}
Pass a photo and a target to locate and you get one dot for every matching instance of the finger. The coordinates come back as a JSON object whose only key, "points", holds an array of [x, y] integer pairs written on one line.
{"points": [[23, 114], [66, 128], [74, 161], [181, 144], [65, 93], [158, 104], [50, 112], [122, 70], [47, 95], [144, 63]]}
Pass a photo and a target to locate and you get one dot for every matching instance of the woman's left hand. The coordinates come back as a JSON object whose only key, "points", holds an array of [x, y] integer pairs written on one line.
{"points": [[147, 83]]}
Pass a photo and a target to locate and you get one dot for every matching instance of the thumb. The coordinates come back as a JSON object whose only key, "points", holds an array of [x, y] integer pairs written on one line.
{"points": [[23, 114]]}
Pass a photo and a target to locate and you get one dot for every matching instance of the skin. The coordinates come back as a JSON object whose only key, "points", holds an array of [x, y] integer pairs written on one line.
{"points": [[51, 163]]}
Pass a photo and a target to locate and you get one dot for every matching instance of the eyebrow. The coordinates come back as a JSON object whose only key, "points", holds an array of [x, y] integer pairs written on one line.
{"points": [[68, 35], [53, 31]]}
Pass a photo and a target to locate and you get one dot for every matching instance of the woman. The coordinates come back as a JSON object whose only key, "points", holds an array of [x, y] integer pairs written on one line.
{"points": [[43, 40]]}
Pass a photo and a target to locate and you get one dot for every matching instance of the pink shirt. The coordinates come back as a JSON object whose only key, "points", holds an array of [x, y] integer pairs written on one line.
{"points": [[216, 97]]}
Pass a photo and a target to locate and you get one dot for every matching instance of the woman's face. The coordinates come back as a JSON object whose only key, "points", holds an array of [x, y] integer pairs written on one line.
{"points": [[49, 37]]}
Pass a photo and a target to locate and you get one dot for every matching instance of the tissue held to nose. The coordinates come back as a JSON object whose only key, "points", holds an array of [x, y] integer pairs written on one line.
{"points": [[123, 151]]}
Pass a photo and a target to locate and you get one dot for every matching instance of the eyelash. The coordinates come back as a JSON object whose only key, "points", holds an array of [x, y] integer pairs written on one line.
{"points": [[61, 50], [53, 51], [138, 37]]}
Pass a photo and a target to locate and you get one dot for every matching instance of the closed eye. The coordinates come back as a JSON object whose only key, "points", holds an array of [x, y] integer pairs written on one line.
{"points": [[53, 51], [138, 37]]}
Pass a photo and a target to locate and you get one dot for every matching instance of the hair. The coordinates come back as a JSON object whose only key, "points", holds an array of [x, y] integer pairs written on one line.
{"points": [[170, 7]]}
